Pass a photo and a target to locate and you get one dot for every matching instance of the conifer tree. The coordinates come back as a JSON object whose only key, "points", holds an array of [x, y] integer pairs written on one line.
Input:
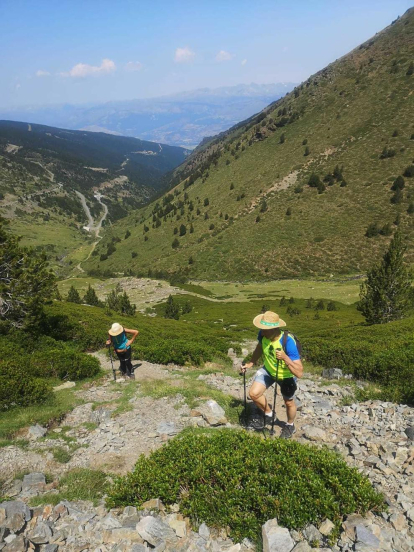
{"points": [[172, 310], [386, 293], [26, 283], [91, 298], [73, 296]]}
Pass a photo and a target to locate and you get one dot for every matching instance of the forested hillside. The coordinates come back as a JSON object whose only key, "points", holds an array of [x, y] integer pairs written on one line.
{"points": [[42, 167], [315, 184]]}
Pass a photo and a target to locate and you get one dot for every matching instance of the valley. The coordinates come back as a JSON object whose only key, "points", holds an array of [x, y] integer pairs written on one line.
{"points": [[302, 205]]}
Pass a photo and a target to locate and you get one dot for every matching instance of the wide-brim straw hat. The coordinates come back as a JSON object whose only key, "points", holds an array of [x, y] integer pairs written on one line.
{"points": [[116, 329], [268, 321]]}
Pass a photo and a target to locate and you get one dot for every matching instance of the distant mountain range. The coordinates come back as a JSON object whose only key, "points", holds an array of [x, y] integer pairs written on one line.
{"points": [[182, 119]]}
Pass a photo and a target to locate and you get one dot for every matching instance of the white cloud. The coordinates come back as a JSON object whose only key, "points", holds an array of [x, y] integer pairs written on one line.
{"points": [[41, 73], [132, 66], [224, 56], [285, 49], [84, 70], [18, 85], [184, 55], [244, 62]]}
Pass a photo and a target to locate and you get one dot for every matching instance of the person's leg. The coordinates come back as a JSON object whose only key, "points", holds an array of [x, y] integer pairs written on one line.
{"points": [[288, 388], [128, 364], [290, 410], [256, 393], [122, 367]]}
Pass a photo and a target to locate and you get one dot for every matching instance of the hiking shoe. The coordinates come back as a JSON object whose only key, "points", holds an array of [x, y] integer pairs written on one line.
{"points": [[288, 431]]}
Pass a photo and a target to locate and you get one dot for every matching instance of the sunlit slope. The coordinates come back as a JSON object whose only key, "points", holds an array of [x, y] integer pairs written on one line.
{"points": [[244, 198]]}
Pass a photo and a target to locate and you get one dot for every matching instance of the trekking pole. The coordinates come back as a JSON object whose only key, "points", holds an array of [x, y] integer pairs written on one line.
{"points": [[272, 432], [245, 396], [112, 362]]}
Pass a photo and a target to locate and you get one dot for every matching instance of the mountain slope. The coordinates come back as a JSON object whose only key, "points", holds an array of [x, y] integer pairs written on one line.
{"points": [[42, 167], [243, 202], [181, 119]]}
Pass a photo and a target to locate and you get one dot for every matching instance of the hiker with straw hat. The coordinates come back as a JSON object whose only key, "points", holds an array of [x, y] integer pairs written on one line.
{"points": [[282, 365], [122, 347]]}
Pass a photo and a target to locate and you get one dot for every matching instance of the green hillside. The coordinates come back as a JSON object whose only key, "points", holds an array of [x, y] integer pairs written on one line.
{"points": [[42, 167], [243, 204]]}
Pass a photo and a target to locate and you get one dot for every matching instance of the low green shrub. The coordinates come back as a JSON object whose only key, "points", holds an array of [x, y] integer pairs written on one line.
{"points": [[232, 478], [176, 351], [383, 353], [63, 363], [19, 388]]}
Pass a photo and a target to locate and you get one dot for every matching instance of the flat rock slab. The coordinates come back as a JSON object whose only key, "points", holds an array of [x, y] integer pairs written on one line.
{"points": [[212, 413], [167, 428], [314, 433], [66, 385], [36, 432], [154, 531], [33, 480], [16, 507], [275, 538]]}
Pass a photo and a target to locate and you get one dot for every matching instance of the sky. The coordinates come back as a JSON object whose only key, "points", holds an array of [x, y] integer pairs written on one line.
{"points": [[93, 51]]}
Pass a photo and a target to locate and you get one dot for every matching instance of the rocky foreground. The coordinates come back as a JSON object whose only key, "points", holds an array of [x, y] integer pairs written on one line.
{"points": [[376, 437]]}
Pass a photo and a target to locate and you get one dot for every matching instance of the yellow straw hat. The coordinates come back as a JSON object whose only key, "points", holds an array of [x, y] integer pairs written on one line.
{"points": [[116, 329], [268, 321]]}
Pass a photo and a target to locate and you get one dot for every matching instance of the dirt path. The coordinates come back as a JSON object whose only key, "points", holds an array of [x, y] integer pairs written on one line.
{"points": [[92, 227]]}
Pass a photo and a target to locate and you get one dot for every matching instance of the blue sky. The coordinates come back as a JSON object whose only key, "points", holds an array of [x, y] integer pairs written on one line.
{"points": [[93, 51]]}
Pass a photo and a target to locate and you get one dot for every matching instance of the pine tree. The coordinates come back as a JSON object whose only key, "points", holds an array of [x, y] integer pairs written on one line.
{"points": [[175, 244], [91, 298], [386, 293], [73, 296], [172, 310], [307, 151], [282, 302], [26, 283], [183, 230]]}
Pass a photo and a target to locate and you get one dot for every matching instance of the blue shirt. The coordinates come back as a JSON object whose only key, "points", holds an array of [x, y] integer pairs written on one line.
{"points": [[120, 341]]}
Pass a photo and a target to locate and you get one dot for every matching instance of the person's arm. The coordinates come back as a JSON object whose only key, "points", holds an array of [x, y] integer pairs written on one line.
{"points": [[132, 339], [109, 340], [295, 366], [291, 358], [257, 353]]}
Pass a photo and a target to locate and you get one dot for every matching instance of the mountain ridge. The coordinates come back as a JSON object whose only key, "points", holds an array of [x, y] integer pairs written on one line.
{"points": [[312, 172], [181, 119]]}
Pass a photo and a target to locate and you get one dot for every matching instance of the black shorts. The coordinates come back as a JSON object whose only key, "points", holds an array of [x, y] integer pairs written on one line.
{"points": [[288, 386]]}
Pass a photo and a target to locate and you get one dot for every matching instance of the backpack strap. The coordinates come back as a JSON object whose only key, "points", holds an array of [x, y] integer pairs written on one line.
{"points": [[284, 339]]}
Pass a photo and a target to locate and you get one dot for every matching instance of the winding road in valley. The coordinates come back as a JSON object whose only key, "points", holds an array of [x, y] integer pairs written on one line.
{"points": [[92, 227]]}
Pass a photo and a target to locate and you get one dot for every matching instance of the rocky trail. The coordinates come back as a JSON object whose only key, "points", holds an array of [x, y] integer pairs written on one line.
{"points": [[116, 422]]}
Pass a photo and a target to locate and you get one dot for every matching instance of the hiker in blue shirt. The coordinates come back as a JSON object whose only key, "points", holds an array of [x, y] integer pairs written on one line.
{"points": [[282, 364], [122, 347]]}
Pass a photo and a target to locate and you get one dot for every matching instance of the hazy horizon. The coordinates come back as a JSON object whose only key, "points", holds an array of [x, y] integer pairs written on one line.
{"points": [[93, 53]]}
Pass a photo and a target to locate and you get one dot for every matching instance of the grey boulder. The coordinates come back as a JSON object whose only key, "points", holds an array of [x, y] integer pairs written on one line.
{"points": [[275, 538]]}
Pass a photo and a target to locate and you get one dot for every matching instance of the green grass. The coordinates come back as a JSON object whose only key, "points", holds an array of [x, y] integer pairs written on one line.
{"points": [[194, 392], [123, 404], [78, 484], [13, 420], [61, 455]]}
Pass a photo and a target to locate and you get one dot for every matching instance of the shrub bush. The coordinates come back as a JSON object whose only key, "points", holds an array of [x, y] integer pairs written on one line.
{"points": [[63, 363], [19, 388], [381, 353], [232, 478]]}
